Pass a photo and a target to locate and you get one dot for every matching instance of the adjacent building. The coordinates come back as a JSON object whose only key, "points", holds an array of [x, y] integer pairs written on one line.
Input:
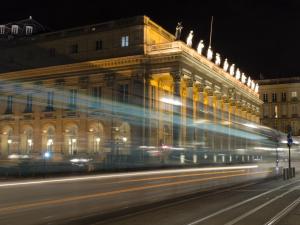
{"points": [[281, 103], [111, 88]]}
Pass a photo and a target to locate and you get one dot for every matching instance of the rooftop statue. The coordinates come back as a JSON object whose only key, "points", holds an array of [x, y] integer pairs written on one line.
{"points": [[200, 47], [237, 74], [209, 53], [189, 40], [244, 78], [218, 59], [179, 28], [225, 65], [231, 70]]}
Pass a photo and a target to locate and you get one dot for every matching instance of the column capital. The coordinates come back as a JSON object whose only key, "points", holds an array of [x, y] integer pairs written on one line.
{"points": [[177, 75]]}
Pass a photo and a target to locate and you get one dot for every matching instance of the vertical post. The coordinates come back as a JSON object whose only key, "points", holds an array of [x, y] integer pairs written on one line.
{"points": [[289, 156], [190, 113], [176, 109]]}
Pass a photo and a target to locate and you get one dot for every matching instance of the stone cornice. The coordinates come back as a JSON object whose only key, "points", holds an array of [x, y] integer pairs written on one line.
{"points": [[190, 56], [74, 68]]}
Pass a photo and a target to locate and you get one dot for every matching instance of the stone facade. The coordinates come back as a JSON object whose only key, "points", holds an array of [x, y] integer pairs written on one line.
{"points": [[281, 103], [105, 89]]}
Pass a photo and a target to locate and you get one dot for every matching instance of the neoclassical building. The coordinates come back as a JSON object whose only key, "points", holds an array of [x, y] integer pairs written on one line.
{"points": [[281, 103], [112, 88]]}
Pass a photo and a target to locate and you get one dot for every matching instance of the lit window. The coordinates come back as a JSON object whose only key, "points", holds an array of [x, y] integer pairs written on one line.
{"points": [[294, 94], [99, 45], [276, 111], [274, 97], [265, 97], [125, 41], [28, 30], [2, 29], [14, 29]]}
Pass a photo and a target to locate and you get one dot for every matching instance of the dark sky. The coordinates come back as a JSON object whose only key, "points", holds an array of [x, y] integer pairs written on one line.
{"points": [[260, 37]]}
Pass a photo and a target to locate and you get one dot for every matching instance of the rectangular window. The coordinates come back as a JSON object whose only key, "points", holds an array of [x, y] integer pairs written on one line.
{"points": [[28, 30], [28, 108], [276, 111], [294, 109], [274, 97], [14, 29], [2, 29], [74, 49], [96, 95], [266, 110], [99, 45], [283, 110], [52, 52], [73, 99], [9, 106], [265, 97], [294, 94], [50, 95], [283, 96], [123, 93], [125, 41]]}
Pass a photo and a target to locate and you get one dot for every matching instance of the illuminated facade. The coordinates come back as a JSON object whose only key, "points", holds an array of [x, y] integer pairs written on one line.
{"points": [[281, 103], [111, 87]]}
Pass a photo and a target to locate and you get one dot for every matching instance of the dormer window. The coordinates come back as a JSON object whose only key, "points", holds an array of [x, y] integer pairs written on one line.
{"points": [[2, 29], [14, 29], [28, 30]]}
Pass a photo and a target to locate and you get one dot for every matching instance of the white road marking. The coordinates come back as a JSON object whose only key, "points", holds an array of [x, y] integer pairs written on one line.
{"points": [[283, 212], [239, 204], [243, 216], [119, 175]]}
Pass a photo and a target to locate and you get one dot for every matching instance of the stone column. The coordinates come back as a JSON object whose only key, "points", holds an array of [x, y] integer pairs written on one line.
{"points": [[190, 113], [146, 108], [176, 108]]}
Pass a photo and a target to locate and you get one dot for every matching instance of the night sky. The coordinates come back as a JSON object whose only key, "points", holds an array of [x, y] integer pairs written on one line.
{"points": [[260, 37]]}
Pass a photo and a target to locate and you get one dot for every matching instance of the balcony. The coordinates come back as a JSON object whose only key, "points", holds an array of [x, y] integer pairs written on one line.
{"points": [[8, 117], [28, 116], [48, 115], [295, 115]]}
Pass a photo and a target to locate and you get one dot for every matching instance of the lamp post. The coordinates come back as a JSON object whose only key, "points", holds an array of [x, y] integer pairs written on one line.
{"points": [[73, 145], [9, 141], [97, 144], [29, 142]]}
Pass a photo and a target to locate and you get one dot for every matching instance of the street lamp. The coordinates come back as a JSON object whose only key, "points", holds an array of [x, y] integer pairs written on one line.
{"points": [[29, 141], [73, 144], [97, 143], [9, 141], [49, 145]]}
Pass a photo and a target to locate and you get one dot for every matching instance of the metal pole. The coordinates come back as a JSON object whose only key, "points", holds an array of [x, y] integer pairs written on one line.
{"points": [[289, 156], [210, 33]]}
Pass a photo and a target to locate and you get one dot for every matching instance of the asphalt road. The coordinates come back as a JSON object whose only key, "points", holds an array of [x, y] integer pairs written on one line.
{"points": [[148, 198], [267, 203]]}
